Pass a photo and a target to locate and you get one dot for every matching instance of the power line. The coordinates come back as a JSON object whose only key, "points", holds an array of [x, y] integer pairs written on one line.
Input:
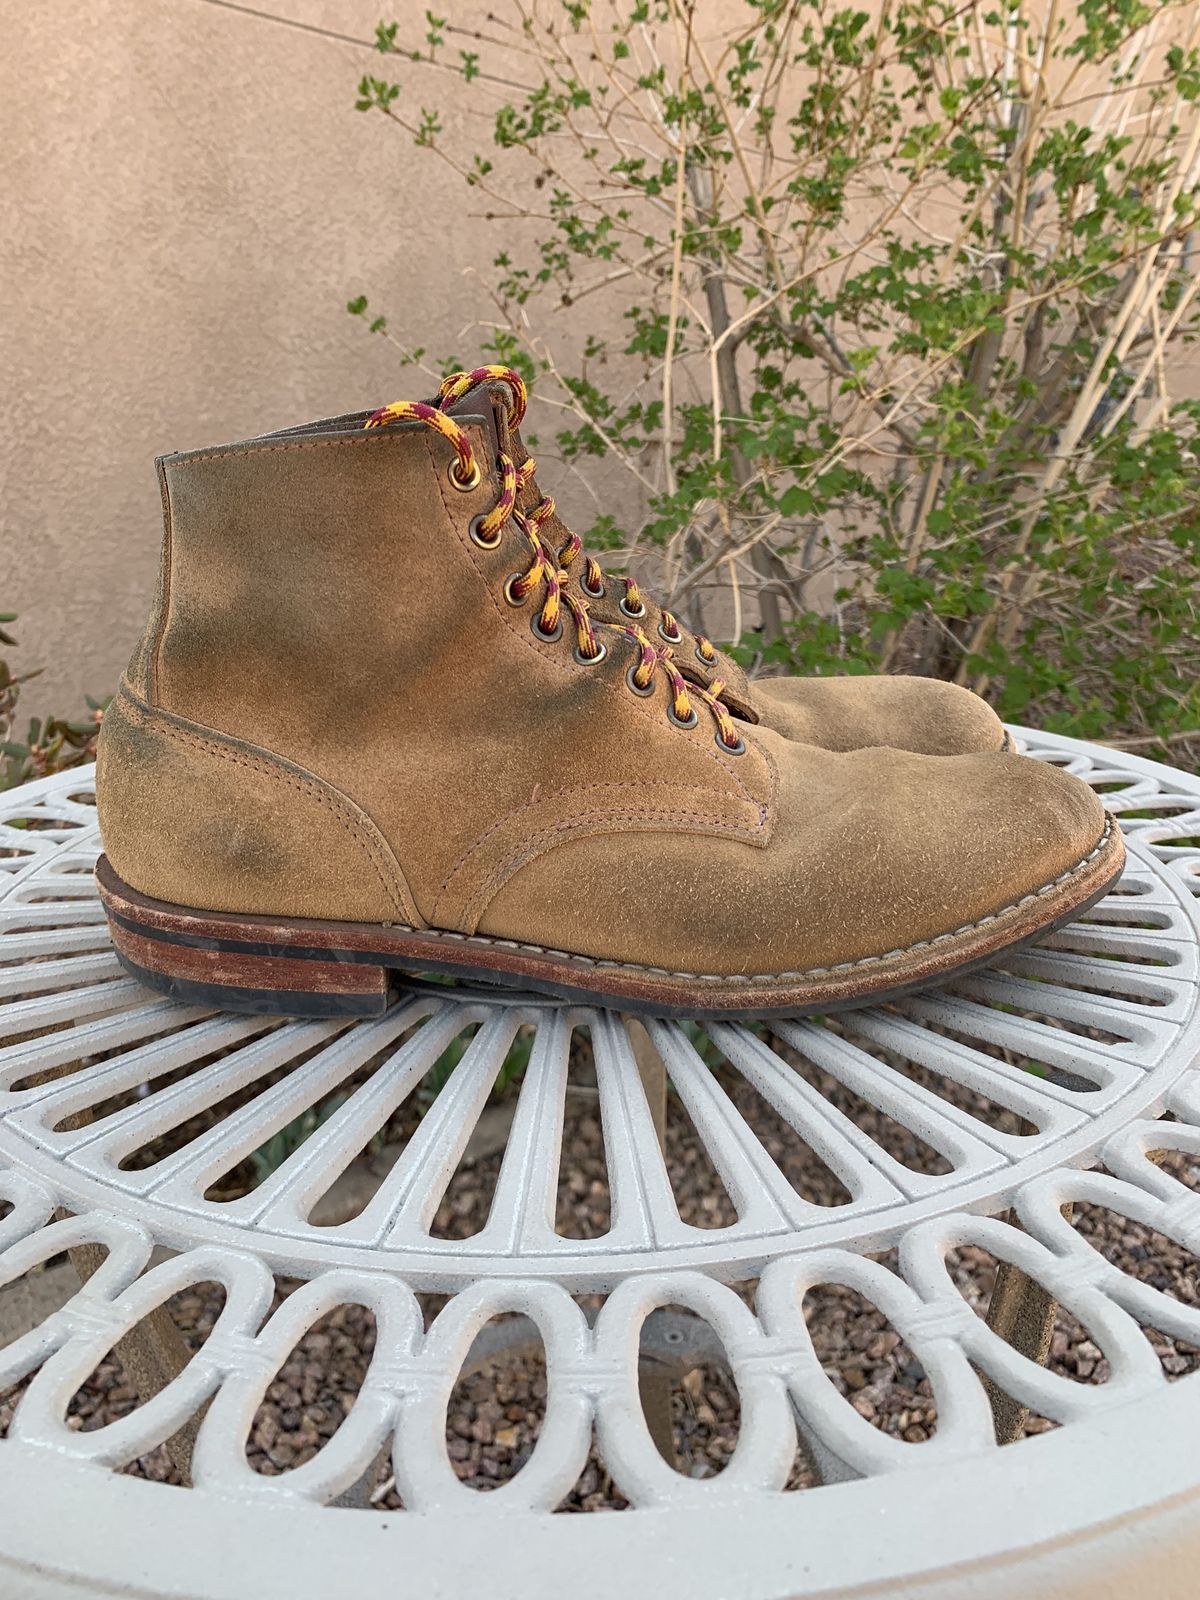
{"points": [[289, 22]]}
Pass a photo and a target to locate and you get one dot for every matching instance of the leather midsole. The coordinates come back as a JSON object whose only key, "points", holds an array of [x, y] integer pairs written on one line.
{"points": [[230, 939]]}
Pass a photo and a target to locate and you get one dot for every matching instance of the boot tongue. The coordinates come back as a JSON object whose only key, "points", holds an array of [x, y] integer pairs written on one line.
{"points": [[489, 405], [491, 401]]}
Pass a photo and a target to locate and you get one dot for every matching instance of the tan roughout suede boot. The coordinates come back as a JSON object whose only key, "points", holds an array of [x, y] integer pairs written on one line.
{"points": [[837, 713], [369, 729]]}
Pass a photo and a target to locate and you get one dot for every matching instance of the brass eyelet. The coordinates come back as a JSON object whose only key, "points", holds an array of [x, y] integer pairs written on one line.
{"points": [[681, 722], [642, 689], [627, 610], [738, 749], [706, 661], [591, 661], [538, 633], [478, 538], [473, 479], [514, 600], [671, 638], [596, 594]]}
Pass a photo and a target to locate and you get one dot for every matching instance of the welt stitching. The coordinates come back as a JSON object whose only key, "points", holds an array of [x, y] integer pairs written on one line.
{"points": [[575, 959], [292, 781]]}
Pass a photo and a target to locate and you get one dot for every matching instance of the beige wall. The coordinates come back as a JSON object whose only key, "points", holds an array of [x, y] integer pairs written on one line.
{"points": [[187, 200]]}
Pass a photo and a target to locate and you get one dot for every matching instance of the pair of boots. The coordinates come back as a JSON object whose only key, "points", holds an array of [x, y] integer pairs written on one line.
{"points": [[387, 716]]}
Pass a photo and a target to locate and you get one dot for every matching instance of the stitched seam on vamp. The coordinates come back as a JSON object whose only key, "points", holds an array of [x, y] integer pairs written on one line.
{"points": [[734, 828], [530, 848]]}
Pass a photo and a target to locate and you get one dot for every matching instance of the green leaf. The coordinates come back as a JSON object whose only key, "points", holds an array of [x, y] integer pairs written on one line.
{"points": [[797, 502]]}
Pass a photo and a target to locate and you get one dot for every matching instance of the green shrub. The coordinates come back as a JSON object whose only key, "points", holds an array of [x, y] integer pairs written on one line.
{"points": [[49, 746], [904, 294]]}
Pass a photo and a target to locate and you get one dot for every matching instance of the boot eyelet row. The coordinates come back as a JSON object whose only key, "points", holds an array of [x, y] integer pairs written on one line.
{"points": [[482, 539], [514, 600], [591, 661], [671, 638], [637, 688], [689, 721], [539, 633], [472, 480], [738, 749], [628, 611]]}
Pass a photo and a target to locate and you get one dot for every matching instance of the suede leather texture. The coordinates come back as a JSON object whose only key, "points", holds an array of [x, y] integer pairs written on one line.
{"points": [[924, 715], [844, 713], [217, 820], [737, 693], [335, 713]]}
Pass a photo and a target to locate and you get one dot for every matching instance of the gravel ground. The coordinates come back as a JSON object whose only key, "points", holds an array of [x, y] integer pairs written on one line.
{"points": [[496, 1413]]}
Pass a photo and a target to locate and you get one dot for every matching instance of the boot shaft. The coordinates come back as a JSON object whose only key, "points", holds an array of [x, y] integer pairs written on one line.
{"points": [[307, 578], [325, 601]]}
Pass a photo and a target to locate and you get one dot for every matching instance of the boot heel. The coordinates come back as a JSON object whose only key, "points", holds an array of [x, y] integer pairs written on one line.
{"points": [[180, 953]]}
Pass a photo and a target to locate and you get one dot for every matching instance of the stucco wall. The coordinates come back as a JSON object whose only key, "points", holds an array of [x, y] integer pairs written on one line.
{"points": [[187, 200]]}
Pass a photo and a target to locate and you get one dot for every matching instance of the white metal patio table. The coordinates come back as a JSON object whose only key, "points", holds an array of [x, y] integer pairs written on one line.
{"points": [[1108, 1009]]}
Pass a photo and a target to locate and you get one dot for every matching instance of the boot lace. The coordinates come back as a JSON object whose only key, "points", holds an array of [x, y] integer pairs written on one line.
{"points": [[550, 572], [593, 582]]}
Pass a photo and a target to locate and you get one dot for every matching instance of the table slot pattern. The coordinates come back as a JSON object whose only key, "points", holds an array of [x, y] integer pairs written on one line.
{"points": [[1021, 1078]]}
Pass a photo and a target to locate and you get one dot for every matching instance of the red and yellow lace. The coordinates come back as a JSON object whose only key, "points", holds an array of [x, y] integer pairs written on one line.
{"points": [[457, 387], [549, 571]]}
